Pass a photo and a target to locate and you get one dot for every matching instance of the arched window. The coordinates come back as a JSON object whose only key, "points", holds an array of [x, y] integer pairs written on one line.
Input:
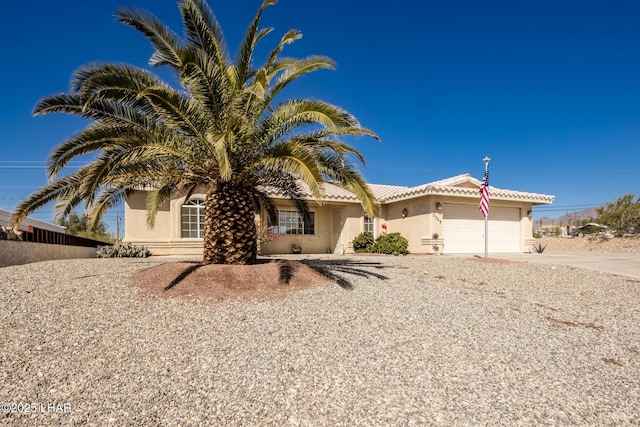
{"points": [[192, 219]]}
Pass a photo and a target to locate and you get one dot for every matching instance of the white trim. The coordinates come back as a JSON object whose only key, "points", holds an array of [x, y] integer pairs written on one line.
{"points": [[199, 205]]}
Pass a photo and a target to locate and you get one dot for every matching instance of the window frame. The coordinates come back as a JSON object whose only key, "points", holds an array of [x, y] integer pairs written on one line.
{"points": [[284, 218], [371, 222], [187, 209]]}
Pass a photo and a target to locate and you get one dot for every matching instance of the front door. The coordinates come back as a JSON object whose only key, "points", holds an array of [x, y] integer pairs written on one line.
{"points": [[337, 232]]}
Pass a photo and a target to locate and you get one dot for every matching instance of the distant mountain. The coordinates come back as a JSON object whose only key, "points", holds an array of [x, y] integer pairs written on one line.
{"points": [[567, 219]]}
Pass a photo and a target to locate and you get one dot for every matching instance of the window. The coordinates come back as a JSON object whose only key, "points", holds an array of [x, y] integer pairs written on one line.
{"points": [[291, 222], [368, 224], [192, 219]]}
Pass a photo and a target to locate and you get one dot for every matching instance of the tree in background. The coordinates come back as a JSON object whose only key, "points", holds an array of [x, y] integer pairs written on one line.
{"points": [[623, 215], [79, 225]]}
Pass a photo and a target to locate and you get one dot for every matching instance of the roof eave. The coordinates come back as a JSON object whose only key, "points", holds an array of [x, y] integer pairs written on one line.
{"points": [[495, 194]]}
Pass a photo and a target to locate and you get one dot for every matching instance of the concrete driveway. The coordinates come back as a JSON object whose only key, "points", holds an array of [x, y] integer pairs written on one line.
{"points": [[621, 264]]}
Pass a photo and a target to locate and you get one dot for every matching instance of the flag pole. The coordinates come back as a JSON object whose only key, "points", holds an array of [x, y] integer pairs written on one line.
{"points": [[486, 217]]}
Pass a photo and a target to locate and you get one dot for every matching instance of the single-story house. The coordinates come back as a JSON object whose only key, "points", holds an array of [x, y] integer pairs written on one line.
{"points": [[438, 217]]}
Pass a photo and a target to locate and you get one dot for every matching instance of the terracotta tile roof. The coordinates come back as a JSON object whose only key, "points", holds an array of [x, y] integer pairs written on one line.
{"points": [[382, 191], [331, 192], [447, 187]]}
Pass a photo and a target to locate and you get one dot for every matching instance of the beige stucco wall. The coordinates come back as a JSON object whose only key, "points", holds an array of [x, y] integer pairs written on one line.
{"points": [[423, 219], [415, 226], [135, 225], [526, 228], [320, 242], [17, 252], [164, 238], [526, 235]]}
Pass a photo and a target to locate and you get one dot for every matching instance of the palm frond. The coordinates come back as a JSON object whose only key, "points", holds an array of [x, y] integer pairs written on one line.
{"points": [[289, 37], [116, 83], [292, 158], [203, 30], [287, 185], [58, 189], [347, 177], [166, 43], [297, 69], [248, 44], [60, 103], [207, 82], [155, 199], [296, 114], [108, 199], [177, 111], [220, 146]]}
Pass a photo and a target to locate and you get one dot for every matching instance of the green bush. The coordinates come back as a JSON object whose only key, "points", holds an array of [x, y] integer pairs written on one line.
{"points": [[123, 250], [364, 242], [392, 244]]}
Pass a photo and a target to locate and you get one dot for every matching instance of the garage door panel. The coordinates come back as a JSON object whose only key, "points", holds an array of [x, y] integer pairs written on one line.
{"points": [[463, 229]]}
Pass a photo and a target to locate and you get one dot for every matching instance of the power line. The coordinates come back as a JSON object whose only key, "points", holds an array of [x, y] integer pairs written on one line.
{"points": [[518, 171], [556, 207]]}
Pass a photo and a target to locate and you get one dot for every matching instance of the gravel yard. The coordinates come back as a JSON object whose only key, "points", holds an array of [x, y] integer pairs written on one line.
{"points": [[417, 340]]}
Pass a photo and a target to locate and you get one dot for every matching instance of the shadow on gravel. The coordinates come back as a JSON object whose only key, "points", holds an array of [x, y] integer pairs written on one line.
{"points": [[187, 271], [329, 268], [286, 270]]}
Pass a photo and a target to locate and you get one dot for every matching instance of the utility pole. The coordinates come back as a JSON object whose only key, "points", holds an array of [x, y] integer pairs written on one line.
{"points": [[117, 225]]}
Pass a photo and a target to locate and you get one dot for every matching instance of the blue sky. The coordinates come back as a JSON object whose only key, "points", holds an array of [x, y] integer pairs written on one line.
{"points": [[550, 90]]}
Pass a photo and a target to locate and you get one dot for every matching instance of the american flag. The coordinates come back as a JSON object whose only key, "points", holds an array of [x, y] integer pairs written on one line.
{"points": [[484, 192]]}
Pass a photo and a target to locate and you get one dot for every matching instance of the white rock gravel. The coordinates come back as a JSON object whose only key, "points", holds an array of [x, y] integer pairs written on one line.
{"points": [[436, 341]]}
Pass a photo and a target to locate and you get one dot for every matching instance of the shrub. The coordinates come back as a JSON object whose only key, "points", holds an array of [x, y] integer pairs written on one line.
{"points": [[363, 242], [539, 248], [393, 244], [123, 250]]}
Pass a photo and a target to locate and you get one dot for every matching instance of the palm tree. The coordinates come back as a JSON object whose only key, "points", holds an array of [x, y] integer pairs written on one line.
{"points": [[226, 130]]}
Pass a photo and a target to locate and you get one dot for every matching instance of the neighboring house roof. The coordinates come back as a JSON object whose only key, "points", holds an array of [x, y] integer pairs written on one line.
{"points": [[5, 218], [461, 185]]}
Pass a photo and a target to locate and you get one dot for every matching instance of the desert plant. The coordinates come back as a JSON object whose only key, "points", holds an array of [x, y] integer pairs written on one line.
{"points": [[123, 250], [622, 215], [393, 244], [435, 236], [364, 242], [265, 233], [539, 248], [228, 129]]}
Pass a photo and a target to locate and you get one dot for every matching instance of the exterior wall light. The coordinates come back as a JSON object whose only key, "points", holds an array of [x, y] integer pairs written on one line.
{"points": [[439, 206], [405, 212]]}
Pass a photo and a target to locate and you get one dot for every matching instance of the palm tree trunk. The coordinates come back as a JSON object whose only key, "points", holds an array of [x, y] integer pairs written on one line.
{"points": [[230, 235]]}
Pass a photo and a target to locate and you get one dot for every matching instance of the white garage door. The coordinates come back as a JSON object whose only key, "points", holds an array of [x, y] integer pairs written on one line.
{"points": [[463, 229]]}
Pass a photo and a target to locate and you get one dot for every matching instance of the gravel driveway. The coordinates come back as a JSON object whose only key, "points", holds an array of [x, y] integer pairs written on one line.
{"points": [[416, 341]]}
